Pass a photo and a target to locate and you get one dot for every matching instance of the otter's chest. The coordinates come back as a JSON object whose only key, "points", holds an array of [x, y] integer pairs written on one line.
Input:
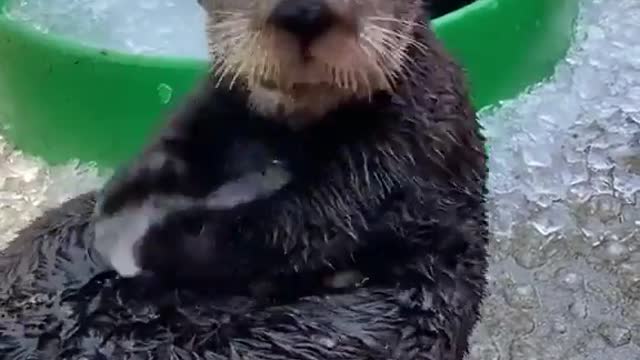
{"points": [[249, 170], [246, 156]]}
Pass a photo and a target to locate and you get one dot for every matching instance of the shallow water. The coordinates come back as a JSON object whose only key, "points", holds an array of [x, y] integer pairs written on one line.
{"points": [[565, 186]]}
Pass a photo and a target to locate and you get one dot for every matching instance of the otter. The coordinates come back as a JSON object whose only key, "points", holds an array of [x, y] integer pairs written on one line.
{"points": [[385, 186]]}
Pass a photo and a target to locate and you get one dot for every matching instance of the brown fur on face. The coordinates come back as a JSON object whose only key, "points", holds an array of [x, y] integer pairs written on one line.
{"points": [[364, 51]]}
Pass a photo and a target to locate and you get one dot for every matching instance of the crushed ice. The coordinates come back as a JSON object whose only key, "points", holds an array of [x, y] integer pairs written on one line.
{"points": [[167, 27], [27, 187], [565, 191], [565, 186]]}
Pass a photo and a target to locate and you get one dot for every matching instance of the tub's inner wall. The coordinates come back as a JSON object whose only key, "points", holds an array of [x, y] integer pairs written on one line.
{"points": [[62, 101]]}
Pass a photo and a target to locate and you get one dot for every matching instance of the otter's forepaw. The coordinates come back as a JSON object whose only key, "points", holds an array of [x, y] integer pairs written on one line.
{"points": [[193, 243], [156, 172]]}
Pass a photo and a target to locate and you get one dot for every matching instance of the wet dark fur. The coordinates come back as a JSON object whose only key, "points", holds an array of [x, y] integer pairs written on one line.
{"points": [[394, 189]]}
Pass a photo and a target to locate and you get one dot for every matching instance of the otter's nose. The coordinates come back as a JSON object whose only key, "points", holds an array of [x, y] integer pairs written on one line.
{"points": [[307, 19]]}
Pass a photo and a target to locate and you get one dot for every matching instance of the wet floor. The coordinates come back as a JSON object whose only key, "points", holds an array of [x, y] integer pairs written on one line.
{"points": [[565, 211], [565, 162]]}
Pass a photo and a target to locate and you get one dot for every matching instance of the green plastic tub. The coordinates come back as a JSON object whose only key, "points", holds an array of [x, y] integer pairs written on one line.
{"points": [[61, 101]]}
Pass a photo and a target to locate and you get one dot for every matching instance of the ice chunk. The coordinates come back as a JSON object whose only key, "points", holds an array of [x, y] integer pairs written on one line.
{"points": [[167, 27]]}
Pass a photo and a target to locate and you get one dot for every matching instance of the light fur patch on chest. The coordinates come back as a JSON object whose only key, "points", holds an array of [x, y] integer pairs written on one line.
{"points": [[118, 237], [305, 107]]}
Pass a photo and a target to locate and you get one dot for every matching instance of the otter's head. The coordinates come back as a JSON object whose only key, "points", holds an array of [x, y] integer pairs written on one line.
{"points": [[305, 57]]}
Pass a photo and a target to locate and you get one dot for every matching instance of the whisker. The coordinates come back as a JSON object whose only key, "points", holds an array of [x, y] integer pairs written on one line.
{"points": [[344, 78], [355, 71], [400, 21], [367, 83], [403, 56], [395, 34], [334, 77], [381, 59], [218, 50], [347, 79], [229, 61], [277, 66], [225, 67], [353, 81], [262, 65], [226, 12], [263, 60], [225, 42], [245, 57], [224, 37], [378, 67], [252, 56], [361, 71], [386, 58], [233, 24], [370, 45], [410, 41]]}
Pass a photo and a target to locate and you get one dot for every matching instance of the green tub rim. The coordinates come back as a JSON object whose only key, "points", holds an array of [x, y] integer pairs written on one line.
{"points": [[61, 100]]}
